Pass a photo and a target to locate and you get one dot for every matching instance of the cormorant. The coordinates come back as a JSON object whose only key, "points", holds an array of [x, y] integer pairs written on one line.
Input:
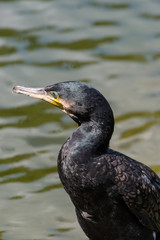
{"points": [[115, 197]]}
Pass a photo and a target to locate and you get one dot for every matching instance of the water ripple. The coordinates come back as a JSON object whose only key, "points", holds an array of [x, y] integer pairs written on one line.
{"points": [[152, 118], [26, 175], [17, 158]]}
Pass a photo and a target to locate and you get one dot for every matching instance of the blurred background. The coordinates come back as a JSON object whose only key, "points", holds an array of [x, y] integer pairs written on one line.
{"points": [[114, 46]]}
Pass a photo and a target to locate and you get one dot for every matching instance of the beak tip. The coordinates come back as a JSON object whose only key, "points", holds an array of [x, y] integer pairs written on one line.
{"points": [[19, 89], [15, 89]]}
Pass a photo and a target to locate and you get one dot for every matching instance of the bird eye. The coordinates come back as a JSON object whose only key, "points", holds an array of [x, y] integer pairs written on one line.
{"points": [[54, 95]]}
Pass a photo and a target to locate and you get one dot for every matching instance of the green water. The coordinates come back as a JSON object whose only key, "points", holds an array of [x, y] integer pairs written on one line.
{"points": [[114, 46]]}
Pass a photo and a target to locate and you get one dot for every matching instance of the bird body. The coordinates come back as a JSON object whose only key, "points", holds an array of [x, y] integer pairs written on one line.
{"points": [[111, 193], [115, 197]]}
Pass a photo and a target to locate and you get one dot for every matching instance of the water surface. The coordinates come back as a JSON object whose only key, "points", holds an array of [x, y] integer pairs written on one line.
{"points": [[112, 45]]}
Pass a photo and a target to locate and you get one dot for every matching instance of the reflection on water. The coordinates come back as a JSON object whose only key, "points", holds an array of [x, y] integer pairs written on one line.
{"points": [[115, 47], [151, 119]]}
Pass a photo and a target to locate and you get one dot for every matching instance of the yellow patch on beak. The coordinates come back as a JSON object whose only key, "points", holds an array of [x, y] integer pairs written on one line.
{"points": [[55, 102]]}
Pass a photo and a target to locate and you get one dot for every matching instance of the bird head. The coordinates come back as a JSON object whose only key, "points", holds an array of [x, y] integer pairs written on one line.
{"points": [[79, 100]]}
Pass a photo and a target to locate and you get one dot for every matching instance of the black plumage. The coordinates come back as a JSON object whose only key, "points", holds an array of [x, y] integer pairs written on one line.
{"points": [[115, 197]]}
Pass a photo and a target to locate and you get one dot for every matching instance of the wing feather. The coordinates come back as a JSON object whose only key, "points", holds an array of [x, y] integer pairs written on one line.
{"points": [[139, 187]]}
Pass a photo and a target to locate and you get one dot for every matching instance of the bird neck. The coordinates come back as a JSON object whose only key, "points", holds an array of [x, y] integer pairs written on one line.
{"points": [[90, 139]]}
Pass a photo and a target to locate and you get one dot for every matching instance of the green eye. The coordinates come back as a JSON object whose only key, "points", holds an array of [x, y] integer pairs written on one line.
{"points": [[54, 95]]}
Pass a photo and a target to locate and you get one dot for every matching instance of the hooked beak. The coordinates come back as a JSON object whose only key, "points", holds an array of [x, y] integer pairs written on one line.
{"points": [[39, 93]]}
